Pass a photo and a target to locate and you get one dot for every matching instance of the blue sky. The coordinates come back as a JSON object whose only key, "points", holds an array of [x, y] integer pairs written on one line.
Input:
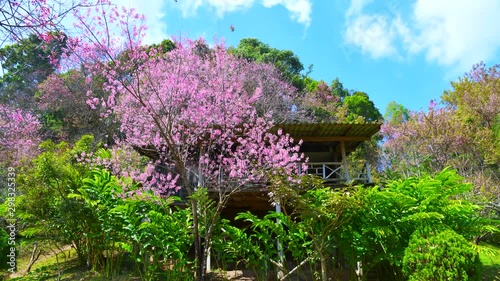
{"points": [[403, 51]]}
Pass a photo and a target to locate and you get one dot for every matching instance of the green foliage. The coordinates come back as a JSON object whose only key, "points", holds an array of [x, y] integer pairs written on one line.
{"points": [[207, 216], [422, 224], [440, 254], [143, 227], [396, 113], [44, 206], [99, 194], [476, 100], [335, 103], [322, 213], [338, 89], [459, 131], [26, 63], [72, 201], [490, 259], [380, 230], [319, 100], [318, 213], [233, 245], [50, 179], [260, 251], [256, 246], [86, 206], [286, 61], [166, 235], [163, 47], [52, 123], [4, 249], [359, 105]]}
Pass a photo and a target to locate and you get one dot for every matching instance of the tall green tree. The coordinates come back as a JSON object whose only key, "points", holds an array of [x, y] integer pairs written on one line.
{"points": [[335, 103], [338, 89], [26, 64], [319, 102], [359, 108], [285, 60], [396, 113]]}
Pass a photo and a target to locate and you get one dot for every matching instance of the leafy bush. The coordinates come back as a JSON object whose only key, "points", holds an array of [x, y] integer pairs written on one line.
{"points": [[440, 255], [4, 248], [381, 229], [68, 200]]}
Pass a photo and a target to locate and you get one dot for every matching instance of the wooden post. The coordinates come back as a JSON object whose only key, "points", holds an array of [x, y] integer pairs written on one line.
{"points": [[280, 273], [200, 185], [368, 172], [344, 161]]}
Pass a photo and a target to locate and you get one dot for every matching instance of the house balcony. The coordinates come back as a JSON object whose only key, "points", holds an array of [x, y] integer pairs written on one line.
{"points": [[340, 173], [254, 197]]}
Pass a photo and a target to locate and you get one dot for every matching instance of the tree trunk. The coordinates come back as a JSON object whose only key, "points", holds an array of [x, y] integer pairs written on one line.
{"points": [[198, 252], [35, 254], [359, 270], [324, 267]]}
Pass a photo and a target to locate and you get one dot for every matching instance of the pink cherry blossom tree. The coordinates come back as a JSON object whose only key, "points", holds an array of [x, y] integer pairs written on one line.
{"points": [[19, 135], [429, 141], [63, 98], [278, 98], [191, 110]]}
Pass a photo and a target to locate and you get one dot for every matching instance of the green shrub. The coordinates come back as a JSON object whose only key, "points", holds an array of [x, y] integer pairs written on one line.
{"points": [[440, 255], [4, 248]]}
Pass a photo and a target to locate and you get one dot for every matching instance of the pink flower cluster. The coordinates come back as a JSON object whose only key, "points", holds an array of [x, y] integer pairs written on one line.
{"points": [[19, 134]]}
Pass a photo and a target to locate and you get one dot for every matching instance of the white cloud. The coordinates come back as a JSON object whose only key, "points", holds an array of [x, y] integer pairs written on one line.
{"points": [[189, 7], [356, 7], [457, 32], [372, 34], [300, 10], [450, 33], [157, 29]]}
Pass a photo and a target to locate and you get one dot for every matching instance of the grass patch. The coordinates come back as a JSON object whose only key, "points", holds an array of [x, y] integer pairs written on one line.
{"points": [[47, 256], [69, 271], [490, 258], [47, 267]]}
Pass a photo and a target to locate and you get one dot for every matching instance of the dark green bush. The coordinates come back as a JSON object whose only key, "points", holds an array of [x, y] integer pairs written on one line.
{"points": [[4, 248], [440, 254]]}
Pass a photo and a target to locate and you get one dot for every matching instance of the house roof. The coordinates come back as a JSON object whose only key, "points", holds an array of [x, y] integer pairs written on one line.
{"points": [[351, 134], [330, 132]]}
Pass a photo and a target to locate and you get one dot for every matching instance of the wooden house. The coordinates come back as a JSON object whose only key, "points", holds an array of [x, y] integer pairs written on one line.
{"points": [[326, 146]]}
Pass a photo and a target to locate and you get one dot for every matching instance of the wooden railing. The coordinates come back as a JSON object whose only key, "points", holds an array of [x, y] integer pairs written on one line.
{"points": [[337, 172], [332, 172]]}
